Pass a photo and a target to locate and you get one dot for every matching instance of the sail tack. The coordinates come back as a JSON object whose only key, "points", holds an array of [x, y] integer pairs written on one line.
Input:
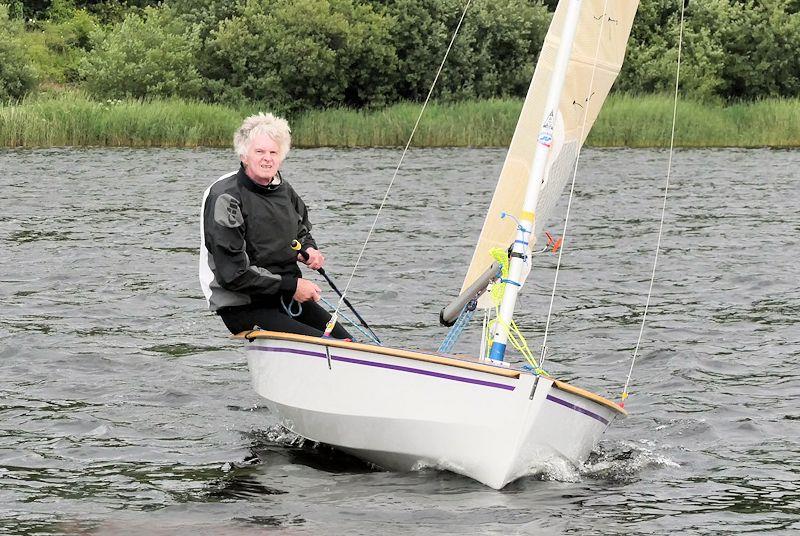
{"points": [[597, 55]]}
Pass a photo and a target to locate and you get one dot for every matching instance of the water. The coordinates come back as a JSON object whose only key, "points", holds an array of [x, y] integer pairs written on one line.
{"points": [[126, 409]]}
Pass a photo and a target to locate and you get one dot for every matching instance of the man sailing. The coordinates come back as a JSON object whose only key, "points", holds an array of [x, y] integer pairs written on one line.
{"points": [[250, 219]]}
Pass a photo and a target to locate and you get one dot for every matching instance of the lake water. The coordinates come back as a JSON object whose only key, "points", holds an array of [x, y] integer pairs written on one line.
{"points": [[125, 408]]}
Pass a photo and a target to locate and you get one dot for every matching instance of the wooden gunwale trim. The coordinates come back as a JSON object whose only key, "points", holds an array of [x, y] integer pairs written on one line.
{"points": [[422, 356], [382, 350], [564, 386]]}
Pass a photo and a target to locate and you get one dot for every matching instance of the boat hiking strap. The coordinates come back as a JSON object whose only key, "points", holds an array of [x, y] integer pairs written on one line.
{"points": [[368, 335], [455, 331]]}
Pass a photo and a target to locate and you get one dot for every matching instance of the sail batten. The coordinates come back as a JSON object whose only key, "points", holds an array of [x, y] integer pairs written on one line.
{"points": [[593, 66]]}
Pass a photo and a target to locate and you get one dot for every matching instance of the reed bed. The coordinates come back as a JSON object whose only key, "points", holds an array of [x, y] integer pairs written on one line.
{"points": [[73, 119], [487, 123], [646, 121]]}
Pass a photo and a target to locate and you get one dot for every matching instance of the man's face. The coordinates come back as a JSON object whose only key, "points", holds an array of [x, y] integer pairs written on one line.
{"points": [[262, 159]]}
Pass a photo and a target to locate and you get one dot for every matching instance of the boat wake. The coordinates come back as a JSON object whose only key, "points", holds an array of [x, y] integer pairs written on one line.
{"points": [[276, 435], [624, 461], [277, 443], [618, 462]]}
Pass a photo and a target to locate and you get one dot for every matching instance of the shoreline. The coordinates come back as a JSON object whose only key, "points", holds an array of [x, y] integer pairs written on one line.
{"points": [[71, 119]]}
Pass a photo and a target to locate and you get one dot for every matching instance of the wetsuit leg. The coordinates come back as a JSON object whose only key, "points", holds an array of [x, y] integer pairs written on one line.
{"points": [[311, 320]]}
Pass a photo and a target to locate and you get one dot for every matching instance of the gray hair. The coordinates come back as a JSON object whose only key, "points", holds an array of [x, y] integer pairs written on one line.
{"points": [[276, 128]]}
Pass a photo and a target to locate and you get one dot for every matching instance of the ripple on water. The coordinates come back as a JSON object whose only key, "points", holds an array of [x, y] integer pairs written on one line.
{"points": [[126, 409]]}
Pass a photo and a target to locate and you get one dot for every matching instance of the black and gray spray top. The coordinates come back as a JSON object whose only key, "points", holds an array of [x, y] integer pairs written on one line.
{"points": [[247, 231]]}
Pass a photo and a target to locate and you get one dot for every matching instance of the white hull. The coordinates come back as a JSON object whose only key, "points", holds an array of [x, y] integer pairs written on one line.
{"points": [[405, 410]]}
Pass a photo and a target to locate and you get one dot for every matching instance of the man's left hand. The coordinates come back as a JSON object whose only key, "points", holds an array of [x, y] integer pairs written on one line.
{"points": [[315, 259]]}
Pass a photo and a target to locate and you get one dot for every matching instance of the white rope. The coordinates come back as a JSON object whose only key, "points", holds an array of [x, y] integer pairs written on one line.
{"points": [[572, 186], [400, 163], [663, 206]]}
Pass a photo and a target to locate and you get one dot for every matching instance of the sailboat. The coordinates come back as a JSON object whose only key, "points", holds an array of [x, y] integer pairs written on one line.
{"points": [[476, 416]]}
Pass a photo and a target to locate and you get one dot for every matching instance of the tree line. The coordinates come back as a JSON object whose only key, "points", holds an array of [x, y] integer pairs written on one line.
{"points": [[294, 55]]}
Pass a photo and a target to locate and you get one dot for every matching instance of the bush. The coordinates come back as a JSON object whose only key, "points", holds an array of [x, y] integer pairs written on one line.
{"points": [[732, 50], [505, 38], [205, 15], [493, 56], [17, 76], [760, 40], [15, 10], [301, 54], [57, 47], [60, 10], [144, 56]]}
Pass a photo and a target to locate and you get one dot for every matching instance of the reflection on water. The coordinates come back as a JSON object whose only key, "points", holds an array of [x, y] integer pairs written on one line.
{"points": [[126, 409]]}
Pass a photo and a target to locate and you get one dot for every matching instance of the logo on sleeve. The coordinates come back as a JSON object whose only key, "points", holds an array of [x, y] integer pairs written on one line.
{"points": [[228, 212]]}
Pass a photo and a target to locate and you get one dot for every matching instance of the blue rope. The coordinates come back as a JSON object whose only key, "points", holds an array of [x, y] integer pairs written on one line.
{"points": [[455, 332], [366, 334]]}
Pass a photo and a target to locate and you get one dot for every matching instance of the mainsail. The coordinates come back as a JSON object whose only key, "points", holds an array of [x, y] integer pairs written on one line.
{"points": [[597, 54]]}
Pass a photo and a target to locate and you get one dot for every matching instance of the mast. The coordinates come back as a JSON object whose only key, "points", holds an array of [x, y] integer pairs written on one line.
{"points": [[525, 227]]}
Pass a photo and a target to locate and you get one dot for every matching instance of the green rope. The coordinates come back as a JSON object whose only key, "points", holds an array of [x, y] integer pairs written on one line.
{"points": [[515, 336]]}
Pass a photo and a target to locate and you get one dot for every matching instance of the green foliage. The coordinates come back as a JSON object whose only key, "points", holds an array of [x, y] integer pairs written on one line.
{"points": [[420, 34], [493, 55], [72, 31], [144, 56], [60, 10], [205, 15], [504, 38], [15, 10], [33, 8], [72, 118], [301, 54], [652, 52], [732, 50], [110, 11], [106, 10], [57, 46], [484, 123], [298, 54], [760, 40], [17, 76], [645, 121]]}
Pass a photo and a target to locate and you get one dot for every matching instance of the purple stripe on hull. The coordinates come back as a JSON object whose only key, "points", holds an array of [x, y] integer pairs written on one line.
{"points": [[484, 383], [579, 409], [385, 366]]}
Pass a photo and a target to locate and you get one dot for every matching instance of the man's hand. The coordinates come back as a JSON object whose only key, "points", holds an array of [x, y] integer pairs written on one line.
{"points": [[306, 291], [315, 260]]}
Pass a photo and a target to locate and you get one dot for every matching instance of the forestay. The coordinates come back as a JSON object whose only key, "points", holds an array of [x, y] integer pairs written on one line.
{"points": [[594, 64]]}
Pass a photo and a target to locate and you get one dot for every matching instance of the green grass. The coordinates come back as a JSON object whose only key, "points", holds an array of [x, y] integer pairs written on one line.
{"points": [[645, 121], [488, 123], [72, 119]]}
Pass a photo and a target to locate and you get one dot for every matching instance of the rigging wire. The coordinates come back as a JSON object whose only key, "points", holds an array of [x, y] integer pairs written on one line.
{"points": [[399, 164], [371, 336], [664, 204], [572, 186]]}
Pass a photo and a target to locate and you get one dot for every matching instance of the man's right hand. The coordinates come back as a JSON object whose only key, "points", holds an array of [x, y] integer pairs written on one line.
{"points": [[306, 291]]}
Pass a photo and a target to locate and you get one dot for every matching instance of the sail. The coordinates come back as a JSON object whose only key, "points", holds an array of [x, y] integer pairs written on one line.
{"points": [[590, 74]]}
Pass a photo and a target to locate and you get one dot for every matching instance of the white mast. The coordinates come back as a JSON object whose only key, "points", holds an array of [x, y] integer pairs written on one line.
{"points": [[521, 248]]}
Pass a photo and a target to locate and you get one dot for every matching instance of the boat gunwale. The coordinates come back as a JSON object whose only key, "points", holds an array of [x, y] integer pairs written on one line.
{"points": [[463, 362]]}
